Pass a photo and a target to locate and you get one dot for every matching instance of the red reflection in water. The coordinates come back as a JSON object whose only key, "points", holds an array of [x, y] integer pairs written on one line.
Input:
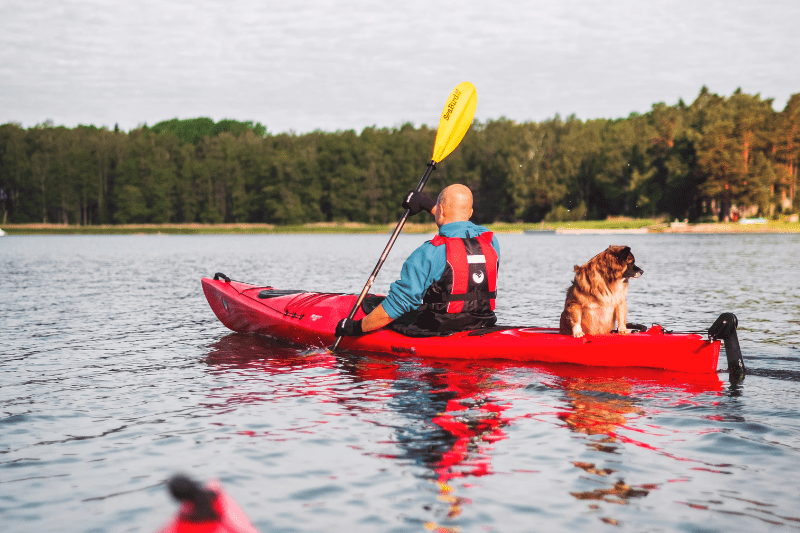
{"points": [[476, 422], [242, 354], [597, 401]]}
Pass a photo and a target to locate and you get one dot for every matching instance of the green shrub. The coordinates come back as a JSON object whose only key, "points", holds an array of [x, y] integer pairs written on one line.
{"points": [[561, 214]]}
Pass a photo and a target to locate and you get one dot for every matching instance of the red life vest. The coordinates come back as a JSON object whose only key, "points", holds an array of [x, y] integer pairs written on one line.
{"points": [[469, 282]]}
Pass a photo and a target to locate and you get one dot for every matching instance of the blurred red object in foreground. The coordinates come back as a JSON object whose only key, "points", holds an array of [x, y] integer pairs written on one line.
{"points": [[205, 510]]}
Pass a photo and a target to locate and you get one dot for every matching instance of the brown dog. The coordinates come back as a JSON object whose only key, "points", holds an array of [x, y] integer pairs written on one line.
{"points": [[597, 297]]}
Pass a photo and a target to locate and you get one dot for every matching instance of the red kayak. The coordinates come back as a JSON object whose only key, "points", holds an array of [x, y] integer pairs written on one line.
{"points": [[309, 319]]}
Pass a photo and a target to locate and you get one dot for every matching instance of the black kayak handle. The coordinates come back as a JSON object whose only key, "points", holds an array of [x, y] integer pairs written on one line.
{"points": [[724, 329], [219, 275]]}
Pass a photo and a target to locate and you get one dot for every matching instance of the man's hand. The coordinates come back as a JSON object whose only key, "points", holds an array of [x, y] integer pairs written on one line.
{"points": [[348, 327], [417, 201]]}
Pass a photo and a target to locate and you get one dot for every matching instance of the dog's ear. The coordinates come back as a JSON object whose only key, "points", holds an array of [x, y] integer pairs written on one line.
{"points": [[623, 253]]}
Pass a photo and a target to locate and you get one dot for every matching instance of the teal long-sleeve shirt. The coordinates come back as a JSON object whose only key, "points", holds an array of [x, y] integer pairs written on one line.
{"points": [[424, 266]]}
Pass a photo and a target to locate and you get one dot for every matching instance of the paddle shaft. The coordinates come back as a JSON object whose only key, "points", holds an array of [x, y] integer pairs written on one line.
{"points": [[385, 254]]}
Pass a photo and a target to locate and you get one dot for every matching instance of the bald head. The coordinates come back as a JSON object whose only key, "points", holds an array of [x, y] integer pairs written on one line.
{"points": [[454, 204]]}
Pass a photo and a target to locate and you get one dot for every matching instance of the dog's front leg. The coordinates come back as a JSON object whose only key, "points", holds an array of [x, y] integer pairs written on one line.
{"points": [[575, 316], [622, 316]]}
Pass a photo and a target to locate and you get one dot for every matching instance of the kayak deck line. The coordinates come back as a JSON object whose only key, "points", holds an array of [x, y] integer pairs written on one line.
{"points": [[309, 319]]}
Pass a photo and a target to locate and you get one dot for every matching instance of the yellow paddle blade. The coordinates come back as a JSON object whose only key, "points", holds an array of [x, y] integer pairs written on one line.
{"points": [[456, 118]]}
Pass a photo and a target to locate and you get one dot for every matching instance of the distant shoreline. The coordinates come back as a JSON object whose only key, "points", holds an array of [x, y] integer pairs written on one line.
{"points": [[564, 228]]}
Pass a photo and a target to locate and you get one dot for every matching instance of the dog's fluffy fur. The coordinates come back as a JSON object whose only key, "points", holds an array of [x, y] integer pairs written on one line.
{"points": [[597, 297]]}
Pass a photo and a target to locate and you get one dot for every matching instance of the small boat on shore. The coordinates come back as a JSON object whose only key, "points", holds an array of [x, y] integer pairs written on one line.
{"points": [[309, 319]]}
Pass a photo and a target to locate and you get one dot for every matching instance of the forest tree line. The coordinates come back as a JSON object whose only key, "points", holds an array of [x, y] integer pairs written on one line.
{"points": [[715, 157]]}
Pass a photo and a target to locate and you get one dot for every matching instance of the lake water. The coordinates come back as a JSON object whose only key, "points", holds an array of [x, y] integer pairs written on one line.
{"points": [[115, 374]]}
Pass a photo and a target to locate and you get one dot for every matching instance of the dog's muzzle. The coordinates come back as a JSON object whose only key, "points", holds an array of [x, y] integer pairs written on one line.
{"points": [[633, 272]]}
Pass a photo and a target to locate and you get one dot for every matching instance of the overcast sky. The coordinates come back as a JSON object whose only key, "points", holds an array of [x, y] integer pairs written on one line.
{"points": [[301, 65]]}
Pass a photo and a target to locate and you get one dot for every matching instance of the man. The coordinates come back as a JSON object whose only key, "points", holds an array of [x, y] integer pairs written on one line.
{"points": [[447, 284]]}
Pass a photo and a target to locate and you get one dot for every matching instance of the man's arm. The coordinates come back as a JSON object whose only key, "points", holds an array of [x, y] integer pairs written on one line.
{"points": [[425, 265], [405, 294], [375, 320], [347, 327]]}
